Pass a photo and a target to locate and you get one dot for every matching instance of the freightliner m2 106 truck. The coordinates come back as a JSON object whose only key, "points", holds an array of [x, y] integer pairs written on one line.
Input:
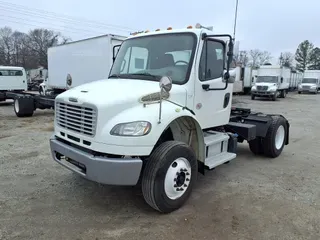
{"points": [[163, 115]]}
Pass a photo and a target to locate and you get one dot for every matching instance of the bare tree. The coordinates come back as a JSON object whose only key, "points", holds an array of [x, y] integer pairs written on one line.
{"points": [[286, 59], [258, 57], [6, 45], [242, 58], [27, 50]]}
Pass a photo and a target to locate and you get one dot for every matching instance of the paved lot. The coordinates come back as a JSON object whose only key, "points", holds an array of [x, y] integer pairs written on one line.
{"points": [[250, 198]]}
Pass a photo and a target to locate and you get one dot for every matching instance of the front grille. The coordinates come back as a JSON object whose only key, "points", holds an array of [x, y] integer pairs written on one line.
{"points": [[305, 87], [79, 119], [262, 88]]}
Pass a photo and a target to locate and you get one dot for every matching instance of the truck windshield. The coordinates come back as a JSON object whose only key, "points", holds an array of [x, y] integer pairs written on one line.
{"points": [[151, 57], [309, 80], [267, 79]]}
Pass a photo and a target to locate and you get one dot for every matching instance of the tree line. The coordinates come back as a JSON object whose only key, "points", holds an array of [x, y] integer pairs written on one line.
{"points": [[307, 56], [28, 50]]}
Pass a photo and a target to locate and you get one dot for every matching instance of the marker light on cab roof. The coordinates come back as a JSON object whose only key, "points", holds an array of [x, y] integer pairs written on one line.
{"points": [[169, 28], [189, 27]]}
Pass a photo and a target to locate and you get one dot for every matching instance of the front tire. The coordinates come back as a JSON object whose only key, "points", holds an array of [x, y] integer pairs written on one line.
{"points": [[252, 96], [169, 176]]}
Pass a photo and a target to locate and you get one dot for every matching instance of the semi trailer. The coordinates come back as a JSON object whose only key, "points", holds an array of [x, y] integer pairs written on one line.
{"points": [[69, 65], [162, 117]]}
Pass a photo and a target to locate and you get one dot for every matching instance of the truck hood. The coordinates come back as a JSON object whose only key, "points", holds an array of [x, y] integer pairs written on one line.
{"points": [[118, 91]]}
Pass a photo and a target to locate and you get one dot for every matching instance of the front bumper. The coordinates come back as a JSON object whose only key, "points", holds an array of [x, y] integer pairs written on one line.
{"points": [[310, 90], [263, 93], [111, 171]]}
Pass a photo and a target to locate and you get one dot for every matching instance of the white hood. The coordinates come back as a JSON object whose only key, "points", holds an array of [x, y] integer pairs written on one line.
{"points": [[111, 97], [115, 91]]}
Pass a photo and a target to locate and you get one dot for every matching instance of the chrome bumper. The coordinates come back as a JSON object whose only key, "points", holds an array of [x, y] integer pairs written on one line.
{"points": [[111, 171]]}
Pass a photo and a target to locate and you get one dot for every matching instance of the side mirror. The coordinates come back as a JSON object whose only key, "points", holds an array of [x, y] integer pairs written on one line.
{"points": [[281, 79], [165, 84], [252, 79]]}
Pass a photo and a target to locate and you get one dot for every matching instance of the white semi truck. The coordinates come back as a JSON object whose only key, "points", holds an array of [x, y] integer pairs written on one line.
{"points": [[272, 82], [310, 82], [69, 65], [163, 115]]}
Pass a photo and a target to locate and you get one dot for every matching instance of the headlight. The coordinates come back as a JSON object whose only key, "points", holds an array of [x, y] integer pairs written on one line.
{"points": [[313, 87], [138, 128], [253, 88], [272, 89]]}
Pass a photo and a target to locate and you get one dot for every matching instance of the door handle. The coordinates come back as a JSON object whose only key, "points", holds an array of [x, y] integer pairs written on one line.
{"points": [[205, 87]]}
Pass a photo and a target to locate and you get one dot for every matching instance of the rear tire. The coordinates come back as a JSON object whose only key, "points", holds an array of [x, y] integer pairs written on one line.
{"points": [[299, 92], [274, 141], [169, 176], [252, 97], [23, 106]]}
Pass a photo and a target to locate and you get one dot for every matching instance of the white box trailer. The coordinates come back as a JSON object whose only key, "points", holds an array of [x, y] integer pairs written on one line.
{"points": [[79, 62], [310, 82], [69, 65], [272, 81]]}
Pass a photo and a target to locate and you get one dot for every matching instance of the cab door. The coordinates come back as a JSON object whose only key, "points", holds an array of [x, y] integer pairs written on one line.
{"points": [[212, 107]]}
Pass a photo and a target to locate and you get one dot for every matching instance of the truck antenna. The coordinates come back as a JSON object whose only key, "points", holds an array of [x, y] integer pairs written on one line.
{"points": [[235, 20]]}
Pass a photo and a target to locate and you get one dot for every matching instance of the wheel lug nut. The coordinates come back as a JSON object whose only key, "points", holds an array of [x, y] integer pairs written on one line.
{"points": [[187, 179], [175, 179], [185, 185], [187, 174], [175, 185]]}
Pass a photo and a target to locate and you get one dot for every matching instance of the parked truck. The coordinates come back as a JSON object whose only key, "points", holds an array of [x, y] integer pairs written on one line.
{"points": [[161, 117], [272, 82], [69, 65], [310, 82], [12, 79]]}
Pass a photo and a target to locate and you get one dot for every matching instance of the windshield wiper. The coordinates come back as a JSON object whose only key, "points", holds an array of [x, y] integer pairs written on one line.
{"points": [[145, 74]]}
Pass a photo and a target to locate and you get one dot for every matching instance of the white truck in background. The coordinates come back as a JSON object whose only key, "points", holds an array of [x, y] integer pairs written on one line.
{"points": [[310, 82], [272, 82], [12, 79], [69, 65], [161, 118], [296, 78]]}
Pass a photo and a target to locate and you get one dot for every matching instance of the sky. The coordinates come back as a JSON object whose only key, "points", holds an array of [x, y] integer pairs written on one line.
{"points": [[274, 25]]}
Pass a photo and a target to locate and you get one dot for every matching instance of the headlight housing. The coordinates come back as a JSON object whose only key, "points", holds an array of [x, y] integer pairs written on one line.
{"points": [[133, 129], [313, 87]]}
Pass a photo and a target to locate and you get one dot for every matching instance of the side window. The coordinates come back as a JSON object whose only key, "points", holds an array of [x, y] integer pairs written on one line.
{"points": [[135, 59], [211, 61], [11, 73]]}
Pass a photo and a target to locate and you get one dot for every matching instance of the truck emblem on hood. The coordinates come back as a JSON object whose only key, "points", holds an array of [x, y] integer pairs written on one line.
{"points": [[71, 99]]}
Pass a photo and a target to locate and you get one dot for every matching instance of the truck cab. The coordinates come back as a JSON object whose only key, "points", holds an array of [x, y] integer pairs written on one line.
{"points": [[163, 115], [13, 78], [310, 82]]}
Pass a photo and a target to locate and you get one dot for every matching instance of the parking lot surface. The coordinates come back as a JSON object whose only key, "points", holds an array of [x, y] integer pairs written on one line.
{"points": [[250, 198]]}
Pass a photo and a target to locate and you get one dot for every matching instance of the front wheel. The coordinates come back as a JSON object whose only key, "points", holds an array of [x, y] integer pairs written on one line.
{"points": [[253, 97], [169, 176]]}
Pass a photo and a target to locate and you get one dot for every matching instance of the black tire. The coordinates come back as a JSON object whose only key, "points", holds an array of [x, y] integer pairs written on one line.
{"points": [[153, 179], [23, 106], [299, 92], [253, 96], [256, 146], [274, 97], [269, 142]]}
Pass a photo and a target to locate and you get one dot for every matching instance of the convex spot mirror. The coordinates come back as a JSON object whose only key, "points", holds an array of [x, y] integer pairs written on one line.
{"points": [[165, 83]]}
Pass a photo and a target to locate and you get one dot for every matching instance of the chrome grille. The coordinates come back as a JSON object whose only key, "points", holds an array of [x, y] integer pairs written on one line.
{"points": [[79, 119], [262, 88], [305, 87]]}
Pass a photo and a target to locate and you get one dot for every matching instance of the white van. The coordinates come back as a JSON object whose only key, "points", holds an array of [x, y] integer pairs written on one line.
{"points": [[13, 79]]}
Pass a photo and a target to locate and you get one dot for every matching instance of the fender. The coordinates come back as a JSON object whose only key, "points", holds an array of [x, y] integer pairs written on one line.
{"points": [[150, 113]]}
